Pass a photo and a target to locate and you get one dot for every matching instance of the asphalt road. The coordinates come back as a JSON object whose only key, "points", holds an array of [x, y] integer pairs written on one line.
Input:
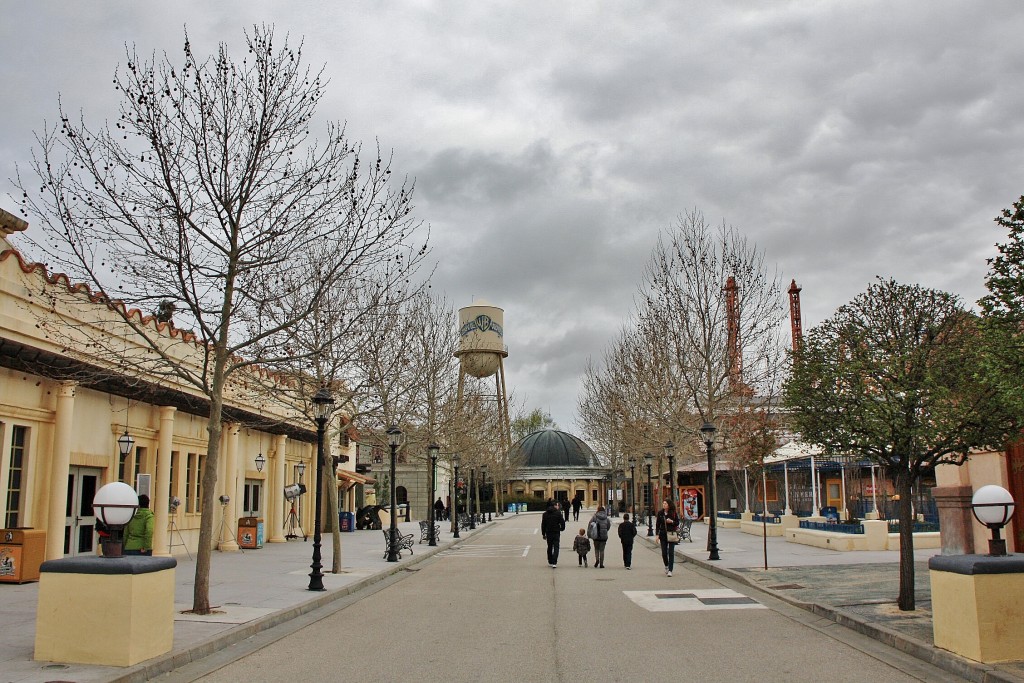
{"points": [[491, 609]]}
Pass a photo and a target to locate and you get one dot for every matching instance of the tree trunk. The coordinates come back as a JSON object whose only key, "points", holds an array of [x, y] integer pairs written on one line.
{"points": [[201, 590], [331, 491], [904, 482]]}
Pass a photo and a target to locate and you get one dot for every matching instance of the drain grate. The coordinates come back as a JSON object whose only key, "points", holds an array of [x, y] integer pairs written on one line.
{"points": [[669, 596], [786, 587]]}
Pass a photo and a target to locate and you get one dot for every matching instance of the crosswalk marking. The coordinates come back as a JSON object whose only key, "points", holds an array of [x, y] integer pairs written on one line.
{"points": [[692, 600], [480, 550]]}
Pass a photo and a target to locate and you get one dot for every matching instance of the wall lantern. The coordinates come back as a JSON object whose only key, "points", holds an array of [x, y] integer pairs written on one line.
{"points": [[125, 443], [260, 462]]}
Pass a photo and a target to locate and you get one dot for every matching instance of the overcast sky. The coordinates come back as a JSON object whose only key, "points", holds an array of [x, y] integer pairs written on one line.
{"points": [[552, 141]]}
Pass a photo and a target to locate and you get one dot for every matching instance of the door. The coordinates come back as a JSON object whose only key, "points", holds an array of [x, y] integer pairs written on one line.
{"points": [[251, 504], [834, 493], [80, 522]]}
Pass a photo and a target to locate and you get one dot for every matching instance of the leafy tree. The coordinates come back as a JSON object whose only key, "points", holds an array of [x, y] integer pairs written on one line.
{"points": [[525, 424], [196, 200], [892, 376], [1003, 308]]}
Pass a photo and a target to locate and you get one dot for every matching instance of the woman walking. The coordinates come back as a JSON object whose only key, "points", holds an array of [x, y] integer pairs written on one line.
{"points": [[668, 534]]}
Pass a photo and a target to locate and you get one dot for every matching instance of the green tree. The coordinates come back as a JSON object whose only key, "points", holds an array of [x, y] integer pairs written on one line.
{"points": [[525, 424], [893, 377], [1003, 310]]}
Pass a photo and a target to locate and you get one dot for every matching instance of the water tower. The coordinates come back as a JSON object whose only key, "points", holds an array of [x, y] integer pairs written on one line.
{"points": [[481, 354]]}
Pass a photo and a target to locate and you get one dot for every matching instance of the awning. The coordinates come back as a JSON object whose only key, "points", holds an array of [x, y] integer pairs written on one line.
{"points": [[354, 478]]}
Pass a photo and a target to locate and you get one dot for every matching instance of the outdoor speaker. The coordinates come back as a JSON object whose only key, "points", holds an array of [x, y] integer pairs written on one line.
{"points": [[293, 491]]}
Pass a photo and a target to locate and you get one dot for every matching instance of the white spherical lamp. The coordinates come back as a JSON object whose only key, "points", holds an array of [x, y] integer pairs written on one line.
{"points": [[993, 506], [115, 505]]}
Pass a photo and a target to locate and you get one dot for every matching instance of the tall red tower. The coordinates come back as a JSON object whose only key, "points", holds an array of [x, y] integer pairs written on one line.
{"points": [[732, 326], [794, 315]]}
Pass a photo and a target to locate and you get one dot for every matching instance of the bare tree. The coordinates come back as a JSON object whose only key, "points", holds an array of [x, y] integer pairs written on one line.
{"points": [[198, 197]]}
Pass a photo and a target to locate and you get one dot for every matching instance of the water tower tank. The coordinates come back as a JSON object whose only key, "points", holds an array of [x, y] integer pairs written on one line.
{"points": [[481, 339]]}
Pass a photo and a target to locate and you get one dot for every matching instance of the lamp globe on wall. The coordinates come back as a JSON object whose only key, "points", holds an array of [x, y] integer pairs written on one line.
{"points": [[993, 506], [115, 505]]}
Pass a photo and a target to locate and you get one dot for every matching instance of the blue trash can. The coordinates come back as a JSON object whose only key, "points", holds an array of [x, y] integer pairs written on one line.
{"points": [[346, 521]]}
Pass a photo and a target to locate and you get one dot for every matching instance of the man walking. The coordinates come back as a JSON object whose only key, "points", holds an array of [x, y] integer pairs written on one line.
{"points": [[627, 532], [576, 505], [551, 526]]}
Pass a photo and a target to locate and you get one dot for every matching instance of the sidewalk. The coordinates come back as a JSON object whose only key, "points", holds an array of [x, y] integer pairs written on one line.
{"points": [[858, 590], [255, 590], [251, 591]]}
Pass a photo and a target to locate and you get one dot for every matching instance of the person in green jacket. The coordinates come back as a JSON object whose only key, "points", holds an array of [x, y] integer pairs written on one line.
{"points": [[138, 534]]}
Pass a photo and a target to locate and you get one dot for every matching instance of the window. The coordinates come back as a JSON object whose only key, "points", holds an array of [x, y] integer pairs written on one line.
{"points": [[251, 497], [199, 482], [538, 493], [16, 476], [193, 483], [175, 467]]}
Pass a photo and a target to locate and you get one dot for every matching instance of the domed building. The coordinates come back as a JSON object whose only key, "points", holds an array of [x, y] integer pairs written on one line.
{"points": [[556, 464]]}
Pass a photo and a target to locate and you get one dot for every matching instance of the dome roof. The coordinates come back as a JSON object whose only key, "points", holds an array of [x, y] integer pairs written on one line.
{"points": [[552, 448]]}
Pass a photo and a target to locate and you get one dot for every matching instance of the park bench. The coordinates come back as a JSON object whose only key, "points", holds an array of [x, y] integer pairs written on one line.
{"points": [[402, 542], [425, 531]]}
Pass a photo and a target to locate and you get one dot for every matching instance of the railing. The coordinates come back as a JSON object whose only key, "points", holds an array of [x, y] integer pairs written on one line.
{"points": [[767, 519], [919, 527], [835, 528], [729, 515]]}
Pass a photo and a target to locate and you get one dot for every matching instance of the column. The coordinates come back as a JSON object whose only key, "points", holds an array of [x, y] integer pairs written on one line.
{"points": [[230, 485], [275, 495], [162, 486], [60, 462]]}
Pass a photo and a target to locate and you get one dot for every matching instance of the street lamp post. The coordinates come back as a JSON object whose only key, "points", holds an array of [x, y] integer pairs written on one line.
{"points": [[394, 438], [708, 430], [455, 497], [432, 450], [483, 485], [632, 484], [323, 403], [648, 461], [670, 451], [469, 501]]}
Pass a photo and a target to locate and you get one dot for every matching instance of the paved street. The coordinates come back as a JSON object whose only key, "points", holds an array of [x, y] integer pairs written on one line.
{"points": [[492, 609]]}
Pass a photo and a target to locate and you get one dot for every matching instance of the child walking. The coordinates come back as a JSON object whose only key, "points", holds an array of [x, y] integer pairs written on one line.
{"points": [[581, 544]]}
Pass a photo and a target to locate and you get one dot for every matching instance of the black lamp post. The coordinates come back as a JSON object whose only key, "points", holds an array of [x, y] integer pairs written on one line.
{"points": [[394, 438], [632, 484], [670, 451], [483, 485], [648, 461], [323, 402], [455, 497], [432, 450], [708, 430], [469, 498]]}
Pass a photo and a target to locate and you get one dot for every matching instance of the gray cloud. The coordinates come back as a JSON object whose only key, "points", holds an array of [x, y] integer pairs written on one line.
{"points": [[551, 142]]}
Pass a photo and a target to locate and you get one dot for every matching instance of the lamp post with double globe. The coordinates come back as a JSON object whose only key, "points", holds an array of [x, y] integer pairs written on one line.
{"points": [[323, 403], [455, 497], [632, 484], [670, 451]]}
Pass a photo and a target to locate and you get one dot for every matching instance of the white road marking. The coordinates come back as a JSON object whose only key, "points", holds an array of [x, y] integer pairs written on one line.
{"points": [[682, 600], [486, 551]]}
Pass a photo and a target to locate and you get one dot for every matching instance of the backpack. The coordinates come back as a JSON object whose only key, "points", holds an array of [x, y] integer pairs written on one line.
{"points": [[592, 529]]}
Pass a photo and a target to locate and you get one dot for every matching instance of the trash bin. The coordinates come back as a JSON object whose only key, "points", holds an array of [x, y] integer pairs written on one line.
{"points": [[21, 553], [250, 532], [346, 521]]}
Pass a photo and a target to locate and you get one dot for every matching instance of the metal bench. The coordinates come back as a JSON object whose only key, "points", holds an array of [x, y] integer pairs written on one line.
{"points": [[425, 531], [401, 542]]}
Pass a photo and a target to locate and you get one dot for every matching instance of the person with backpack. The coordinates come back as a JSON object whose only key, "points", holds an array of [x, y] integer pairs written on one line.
{"points": [[597, 531], [627, 532], [551, 527]]}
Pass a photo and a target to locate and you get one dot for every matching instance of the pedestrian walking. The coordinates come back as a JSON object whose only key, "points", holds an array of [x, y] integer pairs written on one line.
{"points": [[597, 530], [581, 544], [668, 534], [438, 509], [551, 526], [627, 532], [565, 507], [576, 505]]}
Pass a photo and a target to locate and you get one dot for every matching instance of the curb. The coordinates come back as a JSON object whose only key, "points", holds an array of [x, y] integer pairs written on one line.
{"points": [[176, 659], [967, 669]]}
